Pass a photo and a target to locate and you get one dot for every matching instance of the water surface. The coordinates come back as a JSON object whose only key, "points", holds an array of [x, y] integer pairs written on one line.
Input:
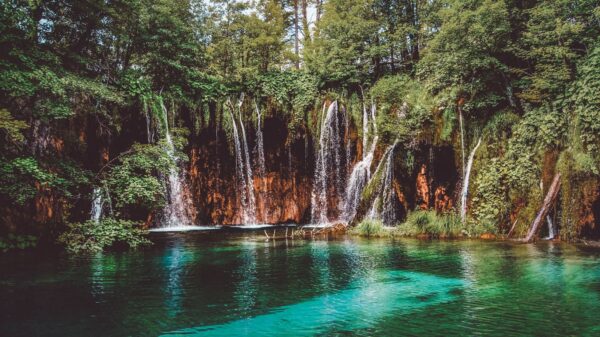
{"points": [[233, 282]]}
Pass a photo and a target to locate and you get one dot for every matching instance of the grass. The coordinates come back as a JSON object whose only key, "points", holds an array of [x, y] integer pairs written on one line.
{"points": [[418, 223], [370, 228], [429, 222]]}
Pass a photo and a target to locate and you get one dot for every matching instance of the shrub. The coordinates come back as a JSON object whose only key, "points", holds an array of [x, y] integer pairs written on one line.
{"points": [[370, 228], [91, 237], [431, 223], [13, 241]]}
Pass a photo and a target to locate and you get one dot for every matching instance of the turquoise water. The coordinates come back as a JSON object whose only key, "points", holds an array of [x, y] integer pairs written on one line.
{"points": [[233, 283]]}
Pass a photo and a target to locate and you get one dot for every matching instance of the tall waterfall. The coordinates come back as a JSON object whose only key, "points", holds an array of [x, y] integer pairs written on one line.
{"points": [[243, 168], [330, 172], [175, 210], [465, 188], [361, 173]]}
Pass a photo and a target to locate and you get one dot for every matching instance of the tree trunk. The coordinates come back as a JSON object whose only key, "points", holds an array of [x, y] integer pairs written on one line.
{"points": [[296, 33], [548, 201], [305, 27]]}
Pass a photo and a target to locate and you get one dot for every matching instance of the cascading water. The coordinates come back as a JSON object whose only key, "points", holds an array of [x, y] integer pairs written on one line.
{"points": [[465, 188], [251, 212], [243, 169], [386, 212], [175, 210], [329, 171], [361, 173]]}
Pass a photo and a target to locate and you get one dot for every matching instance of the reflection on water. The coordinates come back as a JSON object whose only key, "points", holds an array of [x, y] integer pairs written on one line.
{"points": [[219, 283]]}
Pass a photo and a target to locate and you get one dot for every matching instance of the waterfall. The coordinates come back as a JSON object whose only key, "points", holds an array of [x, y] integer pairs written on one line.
{"points": [[361, 173], [243, 168], [388, 212], [465, 188], [97, 205], [329, 171], [175, 210], [551, 230], [100, 203], [260, 152], [251, 211], [385, 193], [462, 138]]}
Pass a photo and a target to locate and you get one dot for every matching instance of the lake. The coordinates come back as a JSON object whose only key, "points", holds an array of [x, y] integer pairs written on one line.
{"points": [[231, 282]]}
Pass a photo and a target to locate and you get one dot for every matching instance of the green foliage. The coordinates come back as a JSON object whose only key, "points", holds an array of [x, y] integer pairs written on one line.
{"points": [[12, 127], [555, 31], [13, 241], [584, 96], [404, 107], [295, 91], [133, 180], [463, 55], [18, 179], [92, 237], [370, 228]]}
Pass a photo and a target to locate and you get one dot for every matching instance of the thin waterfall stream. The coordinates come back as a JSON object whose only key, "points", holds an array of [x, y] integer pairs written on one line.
{"points": [[465, 187]]}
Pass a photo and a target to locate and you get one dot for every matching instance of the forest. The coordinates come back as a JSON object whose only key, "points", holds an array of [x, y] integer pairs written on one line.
{"points": [[439, 118]]}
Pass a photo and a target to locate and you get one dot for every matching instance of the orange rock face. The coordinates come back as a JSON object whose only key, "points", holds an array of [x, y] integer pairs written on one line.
{"points": [[443, 202], [422, 188]]}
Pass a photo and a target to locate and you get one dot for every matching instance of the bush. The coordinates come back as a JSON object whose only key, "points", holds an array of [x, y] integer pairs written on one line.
{"points": [[370, 228], [91, 237]]}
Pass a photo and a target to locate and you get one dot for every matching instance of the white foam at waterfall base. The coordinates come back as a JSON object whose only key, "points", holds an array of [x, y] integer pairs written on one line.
{"points": [[184, 228]]}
